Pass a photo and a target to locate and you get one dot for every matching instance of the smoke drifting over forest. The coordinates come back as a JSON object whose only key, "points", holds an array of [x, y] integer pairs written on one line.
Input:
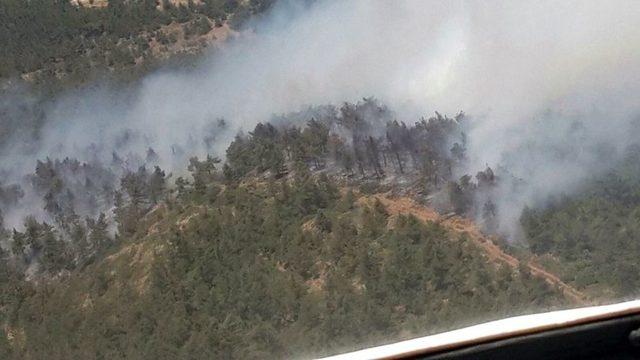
{"points": [[550, 89]]}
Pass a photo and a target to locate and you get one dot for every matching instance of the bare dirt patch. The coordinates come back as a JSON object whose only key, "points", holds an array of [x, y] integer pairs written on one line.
{"points": [[405, 206], [182, 43]]}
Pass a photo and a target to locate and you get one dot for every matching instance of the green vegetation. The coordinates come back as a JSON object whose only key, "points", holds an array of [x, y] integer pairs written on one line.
{"points": [[594, 235], [284, 268], [263, 256], [278, 252], [79, 197], [428, 148], [54, 39]]}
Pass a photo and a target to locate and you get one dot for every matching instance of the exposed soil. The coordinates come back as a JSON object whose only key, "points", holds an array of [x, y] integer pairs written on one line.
{"points": [[185, 44], [405, 205]]}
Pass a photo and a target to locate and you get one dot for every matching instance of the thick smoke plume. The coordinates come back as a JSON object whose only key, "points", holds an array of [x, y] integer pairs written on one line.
{"points": [[550, 87]]}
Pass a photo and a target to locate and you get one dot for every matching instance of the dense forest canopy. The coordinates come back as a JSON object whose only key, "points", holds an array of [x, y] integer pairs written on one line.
{"points": [[53, 39], [593, 237], [73, 194], [203, 179], [326, 269], [195, 273]]}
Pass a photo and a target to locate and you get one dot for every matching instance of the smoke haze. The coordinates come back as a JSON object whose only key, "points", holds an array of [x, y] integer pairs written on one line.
{"points": [[550, 87]]}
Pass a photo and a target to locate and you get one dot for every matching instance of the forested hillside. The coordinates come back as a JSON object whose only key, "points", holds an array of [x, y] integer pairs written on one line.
{"points": [[592, 238], [45, 40], [82, 201], [251, 268], [283, 239], [203, 179], [280, 238]]}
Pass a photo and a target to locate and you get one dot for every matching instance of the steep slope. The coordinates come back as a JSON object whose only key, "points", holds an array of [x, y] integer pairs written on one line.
{"points": [[61, 43], [266, 257], [591, 238], [316, 273], [455, 223]]}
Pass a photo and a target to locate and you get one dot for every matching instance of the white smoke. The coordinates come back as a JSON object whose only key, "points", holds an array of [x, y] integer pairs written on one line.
{"points": [[524, 71]]}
